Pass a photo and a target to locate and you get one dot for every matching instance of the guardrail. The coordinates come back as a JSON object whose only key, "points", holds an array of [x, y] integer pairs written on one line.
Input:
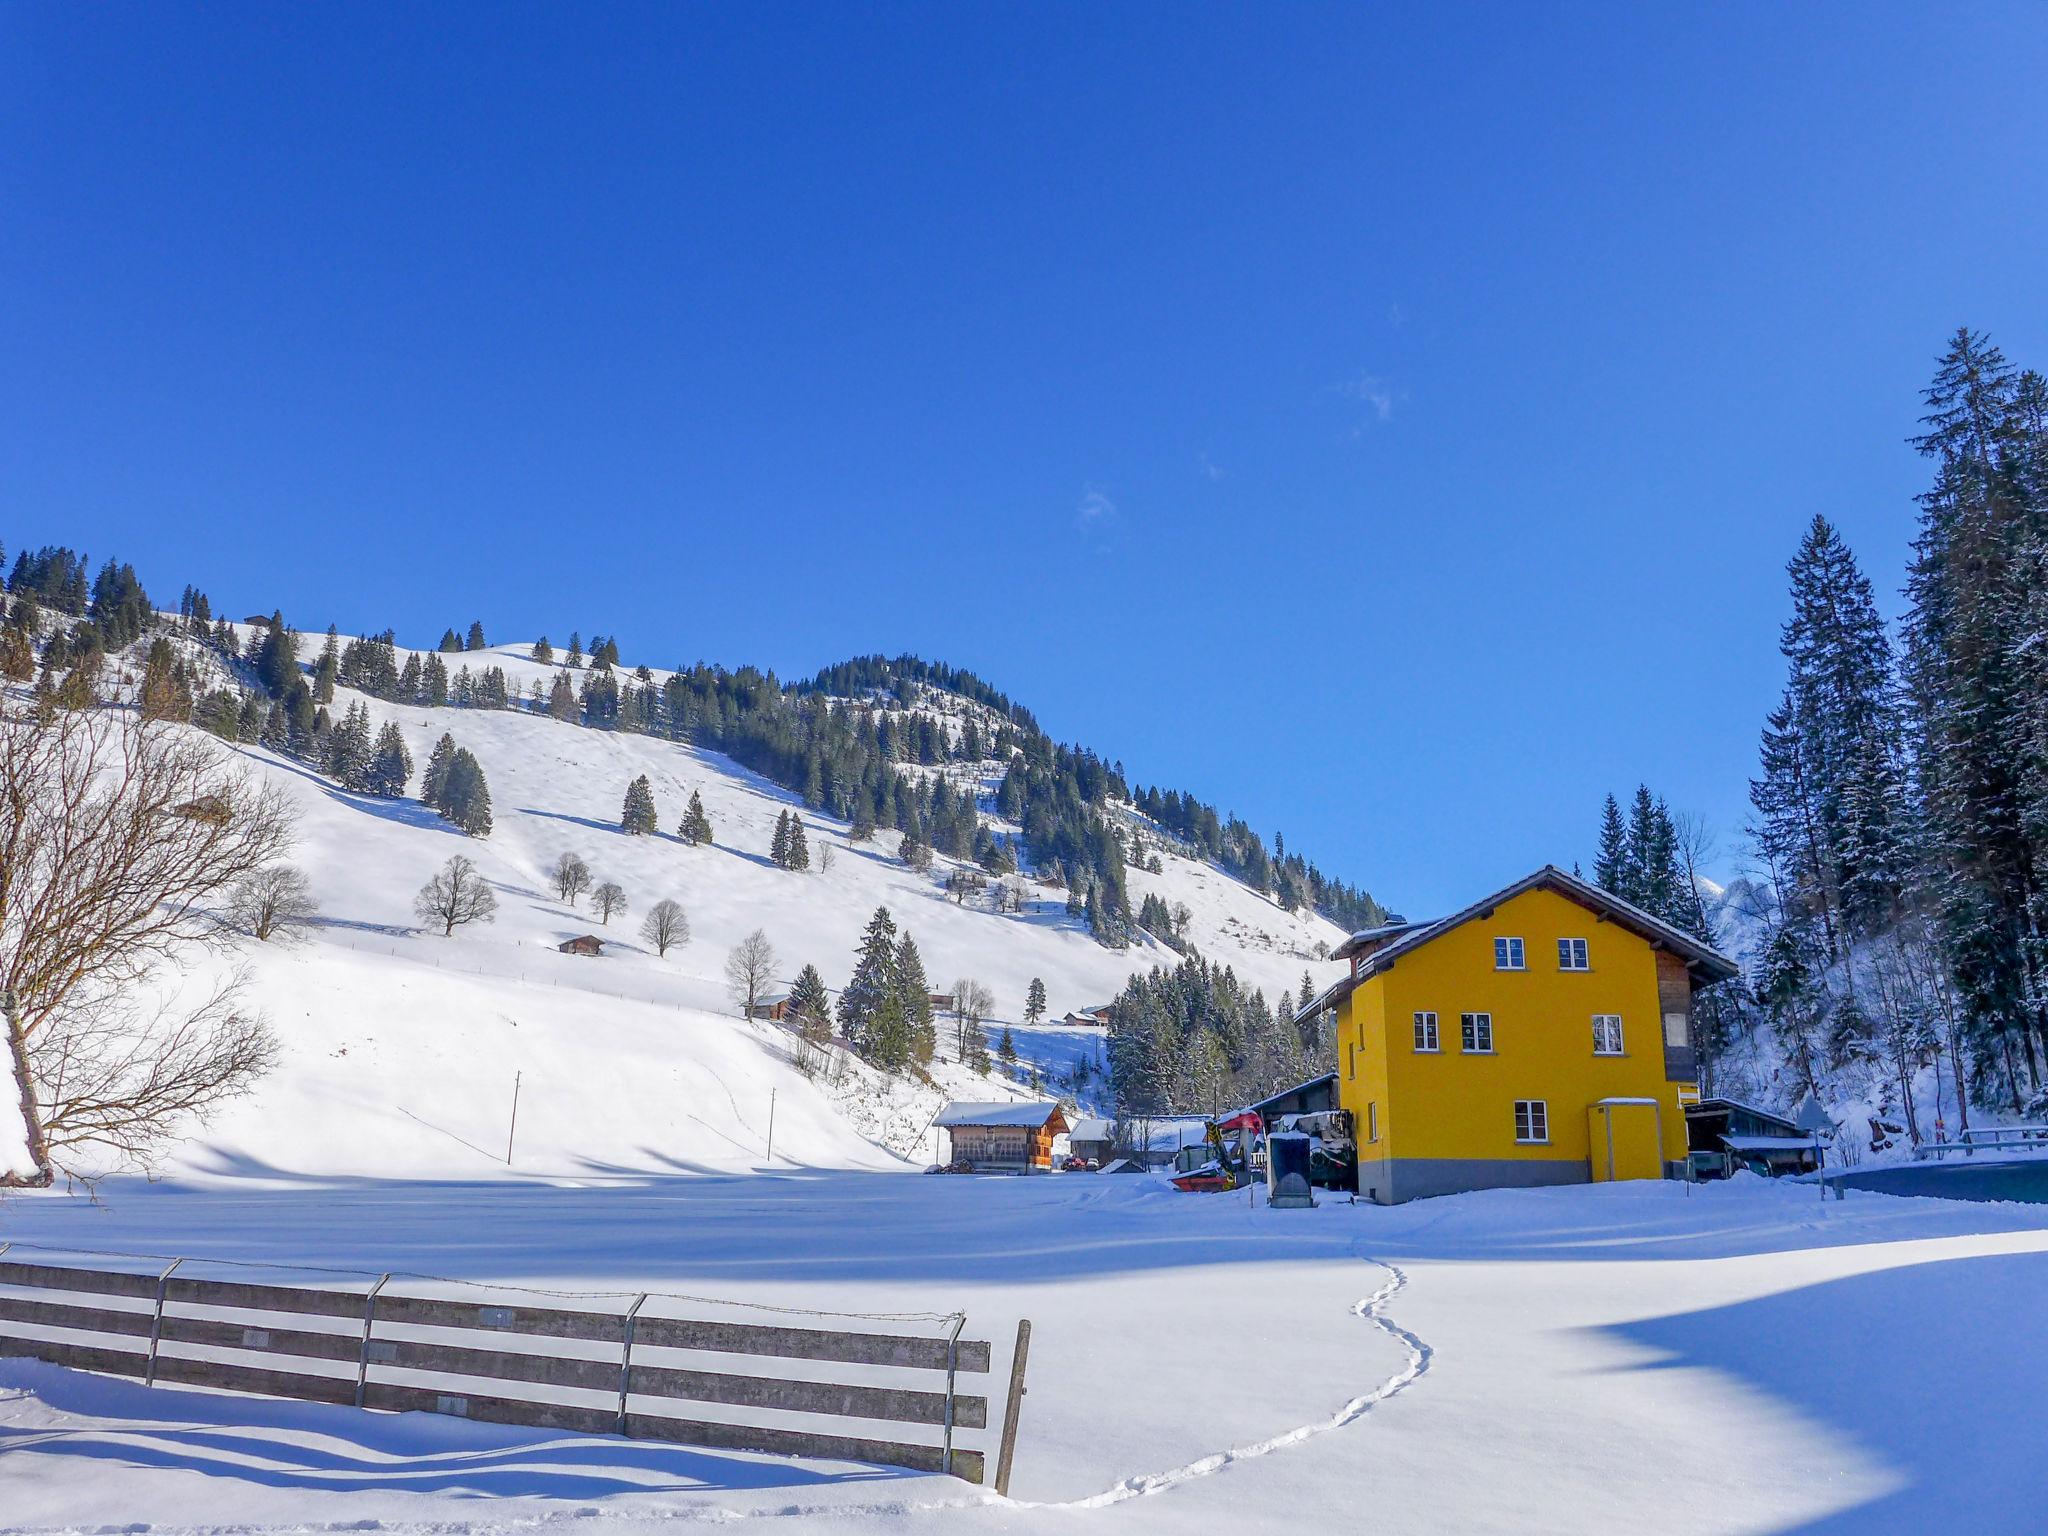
{"points": [[1999, 1138], [599, 1362]]}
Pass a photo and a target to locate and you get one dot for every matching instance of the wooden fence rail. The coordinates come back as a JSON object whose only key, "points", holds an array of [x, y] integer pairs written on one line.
{"points": [[643, 1398]]}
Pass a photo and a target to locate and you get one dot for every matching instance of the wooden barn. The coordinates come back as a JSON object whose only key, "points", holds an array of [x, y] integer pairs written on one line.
{"points": [[582, 944], [1003, 1138]]}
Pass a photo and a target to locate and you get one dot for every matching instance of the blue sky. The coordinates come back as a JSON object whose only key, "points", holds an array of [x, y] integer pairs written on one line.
{"points": [[1390, 422]]}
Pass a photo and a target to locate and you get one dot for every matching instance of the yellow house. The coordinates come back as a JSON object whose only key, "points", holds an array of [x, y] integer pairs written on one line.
{"points": [[1540, 1036]]}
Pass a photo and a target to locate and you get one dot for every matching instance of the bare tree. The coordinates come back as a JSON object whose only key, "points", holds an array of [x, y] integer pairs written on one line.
{"points": [[748, 971], [665, 926], [455, 896], [971, 1004], [119, 840], [272, 902], [570, 877], [825, 859], [608, 899]]}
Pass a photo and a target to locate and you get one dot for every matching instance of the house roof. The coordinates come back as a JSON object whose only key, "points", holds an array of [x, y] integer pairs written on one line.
{"points": [[1093, 1130], [1029, 1113], [1706, 963], [1288, 1093], [1769, 1143], [583, 938], [1718, 1105], [1367, 936]]}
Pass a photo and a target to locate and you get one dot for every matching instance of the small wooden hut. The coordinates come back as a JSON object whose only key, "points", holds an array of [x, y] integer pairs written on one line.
{"points": [[1003, 1138], [582, 944]]}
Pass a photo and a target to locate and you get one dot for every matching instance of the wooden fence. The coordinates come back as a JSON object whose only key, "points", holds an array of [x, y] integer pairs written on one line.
{"points": [[516, 1346]]}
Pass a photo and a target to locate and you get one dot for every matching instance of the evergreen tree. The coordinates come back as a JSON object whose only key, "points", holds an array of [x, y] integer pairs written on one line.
{"points": [[778, 849], [543, 652], [390, 764], [1034, 1001], [808, 1000], [328, 667], [797, 854], [872, 985], [562, 697], [639, 816], [1610, 865], [575, 657], [435, 781], [914, 997], [449, 641], [465, 797], [696, 827], [1978, 689], [475, 640]]}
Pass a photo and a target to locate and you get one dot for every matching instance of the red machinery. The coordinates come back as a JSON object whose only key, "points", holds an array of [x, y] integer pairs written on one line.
{"points": [[1220, 1172]]}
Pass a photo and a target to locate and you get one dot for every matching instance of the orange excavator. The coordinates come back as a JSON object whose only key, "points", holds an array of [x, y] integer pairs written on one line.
{"points": [[1221, 1171]]}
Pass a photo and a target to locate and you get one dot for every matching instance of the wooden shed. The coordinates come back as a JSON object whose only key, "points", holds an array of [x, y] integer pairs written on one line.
{"points": [[1003, 1138], [582, 944]]}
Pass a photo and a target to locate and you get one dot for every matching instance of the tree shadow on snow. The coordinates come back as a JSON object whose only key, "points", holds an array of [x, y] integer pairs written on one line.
{"points": [[1926, 1377], [264, 1441]]}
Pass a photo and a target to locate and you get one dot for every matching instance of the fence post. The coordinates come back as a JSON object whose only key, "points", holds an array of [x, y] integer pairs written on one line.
{"points": [[626, 1358], [952, 1372], [1015, 1406], [363, 1355], [156, 1321]]}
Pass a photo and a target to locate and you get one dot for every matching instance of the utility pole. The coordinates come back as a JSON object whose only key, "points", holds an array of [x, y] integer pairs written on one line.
{"points": [[771, 1125], [513, 1129]]}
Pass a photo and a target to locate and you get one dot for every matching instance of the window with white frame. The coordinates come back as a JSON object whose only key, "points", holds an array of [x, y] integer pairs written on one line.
{"points": [[1372, 1122], [1571, 955], [1507, 955], [1476, 1032], [1606, 1034], [1425, 1032], [1532, 1121]]}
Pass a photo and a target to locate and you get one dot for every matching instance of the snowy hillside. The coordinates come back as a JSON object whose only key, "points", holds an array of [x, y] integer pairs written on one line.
{"points": [[402, 1046]]}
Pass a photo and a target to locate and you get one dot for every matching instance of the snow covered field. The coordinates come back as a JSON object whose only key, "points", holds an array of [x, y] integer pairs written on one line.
{"points": [[1736, 1358]]}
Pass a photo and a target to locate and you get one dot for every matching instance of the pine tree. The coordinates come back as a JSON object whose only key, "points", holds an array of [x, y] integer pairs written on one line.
{"points": [[1034, 1001], [390, 764], [639, 817], [475, 640], [435, 781], [808, 1000], [449, 642], [696, 827], [575, 657], [778, 848], [1610, 864], [872, 984], [562, 698], [324, 672], [863, 826], [465, 797], [914, 997], [798, 851], [349, 747], [543, 652]]}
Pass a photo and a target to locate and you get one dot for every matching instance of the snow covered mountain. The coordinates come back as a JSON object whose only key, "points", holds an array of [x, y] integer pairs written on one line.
{"points": [[403, 1049]]}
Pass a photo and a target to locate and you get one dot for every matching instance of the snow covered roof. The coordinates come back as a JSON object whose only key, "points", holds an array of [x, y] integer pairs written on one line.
{"points": [[1706, 962], [1768, 1143], [1029, 1112], [1093, 1130], [1719, 1104]]}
